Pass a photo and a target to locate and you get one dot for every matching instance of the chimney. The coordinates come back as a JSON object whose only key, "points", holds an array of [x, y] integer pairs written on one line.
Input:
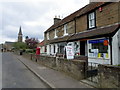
{"points": [[56, 20]]}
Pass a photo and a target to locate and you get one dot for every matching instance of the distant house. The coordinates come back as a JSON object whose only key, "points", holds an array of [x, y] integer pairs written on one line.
{"points": [[8, 45], [93, 31], [42, 47]]}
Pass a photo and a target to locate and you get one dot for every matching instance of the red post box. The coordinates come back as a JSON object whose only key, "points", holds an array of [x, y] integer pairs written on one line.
{"points": [[37, 51]]}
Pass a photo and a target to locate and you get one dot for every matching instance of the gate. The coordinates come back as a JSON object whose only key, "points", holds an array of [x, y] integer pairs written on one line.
{"points": [[91, 72]]}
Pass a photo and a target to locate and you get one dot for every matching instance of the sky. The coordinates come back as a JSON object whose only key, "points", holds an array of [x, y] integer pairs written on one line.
{"points": [[34, 16]]}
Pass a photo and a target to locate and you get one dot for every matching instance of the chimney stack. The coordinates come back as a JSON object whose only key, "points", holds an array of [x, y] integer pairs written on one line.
{"points": [[57, 19]]}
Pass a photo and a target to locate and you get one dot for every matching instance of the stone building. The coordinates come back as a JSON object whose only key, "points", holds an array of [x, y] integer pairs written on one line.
{"points": [[93, 31], [8, 46]]}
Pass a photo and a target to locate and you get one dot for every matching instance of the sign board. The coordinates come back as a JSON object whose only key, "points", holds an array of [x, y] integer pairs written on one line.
{"points": [[69, 52], [105, 42], [97, 41]]}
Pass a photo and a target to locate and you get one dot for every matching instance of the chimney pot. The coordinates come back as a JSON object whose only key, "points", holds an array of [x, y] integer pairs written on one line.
{"points": [[56, 20]]}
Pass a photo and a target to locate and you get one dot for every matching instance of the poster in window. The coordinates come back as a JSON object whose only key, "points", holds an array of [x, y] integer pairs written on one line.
{"points": [[95, 52], [69, 52]]}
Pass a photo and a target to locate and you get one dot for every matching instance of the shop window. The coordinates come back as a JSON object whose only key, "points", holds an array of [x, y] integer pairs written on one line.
{"points": [[77, 48], [98, 49]]}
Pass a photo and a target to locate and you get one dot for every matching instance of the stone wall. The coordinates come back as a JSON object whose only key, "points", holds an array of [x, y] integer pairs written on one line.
{"points": [[52, 34], [71, 27], [81, 24], [108, 15], [47, 61], [109, 76], [73, 68]]}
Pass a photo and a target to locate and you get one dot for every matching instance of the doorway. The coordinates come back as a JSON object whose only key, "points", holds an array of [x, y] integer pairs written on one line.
{"points": [[82, 48]]}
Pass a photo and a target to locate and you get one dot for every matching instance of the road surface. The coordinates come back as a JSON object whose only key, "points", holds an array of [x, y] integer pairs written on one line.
{"points": [[16, 75]]}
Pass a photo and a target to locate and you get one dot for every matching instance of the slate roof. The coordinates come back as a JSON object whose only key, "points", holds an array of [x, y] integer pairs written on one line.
{"points": [[41, 43], [61, 39], [78, 13], [107, 31]]}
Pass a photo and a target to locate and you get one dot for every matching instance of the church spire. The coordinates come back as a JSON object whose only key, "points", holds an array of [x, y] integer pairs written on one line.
{"points": [[20, 35], [20, 31]]}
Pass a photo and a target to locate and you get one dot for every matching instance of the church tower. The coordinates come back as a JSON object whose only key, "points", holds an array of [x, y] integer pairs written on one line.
{"points": [[20, 35]]}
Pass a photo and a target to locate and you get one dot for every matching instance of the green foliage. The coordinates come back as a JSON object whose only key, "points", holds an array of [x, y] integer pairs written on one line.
{"points": [[30, 51], [20, 45], [31, 42]]}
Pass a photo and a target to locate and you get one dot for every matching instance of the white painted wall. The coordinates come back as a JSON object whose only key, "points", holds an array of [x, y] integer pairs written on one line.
{"points": [[52, 49], [116, 48], [56, 48], [42, 49], [119, 47], [99, 60], [48, 49]]}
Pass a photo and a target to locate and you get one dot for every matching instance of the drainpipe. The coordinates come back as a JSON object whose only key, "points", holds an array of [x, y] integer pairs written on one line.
{"points": [[75, 25], [110, 40]]}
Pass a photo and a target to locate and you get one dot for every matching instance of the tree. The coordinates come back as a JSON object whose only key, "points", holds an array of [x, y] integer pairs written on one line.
{"points": [[19, 45], [31, 42]]}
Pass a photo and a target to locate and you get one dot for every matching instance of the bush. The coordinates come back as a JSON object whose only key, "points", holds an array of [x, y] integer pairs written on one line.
{"points": [[29, 51], [19, 45]]}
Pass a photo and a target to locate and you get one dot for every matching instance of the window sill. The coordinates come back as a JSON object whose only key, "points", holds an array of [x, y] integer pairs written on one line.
{"points": [[98, 58], [65, 34], [92, 28], [56, 37]]}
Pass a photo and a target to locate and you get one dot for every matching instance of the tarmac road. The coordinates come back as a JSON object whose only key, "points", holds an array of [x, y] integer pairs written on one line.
{"points": [[16, 75]]}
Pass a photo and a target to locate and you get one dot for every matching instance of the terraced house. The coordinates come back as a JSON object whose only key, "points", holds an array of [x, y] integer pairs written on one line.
{"points": [[93, 31]]}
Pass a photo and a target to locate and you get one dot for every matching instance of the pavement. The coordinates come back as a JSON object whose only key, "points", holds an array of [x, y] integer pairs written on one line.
{"points": [[52, 78]]}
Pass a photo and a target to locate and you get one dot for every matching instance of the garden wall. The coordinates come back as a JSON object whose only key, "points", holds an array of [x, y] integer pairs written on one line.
{"points": [[109, 76], [73, 68]]}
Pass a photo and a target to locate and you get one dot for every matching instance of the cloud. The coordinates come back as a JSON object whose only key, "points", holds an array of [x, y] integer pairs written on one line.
{"points": [[32, 23], [34, 16]]}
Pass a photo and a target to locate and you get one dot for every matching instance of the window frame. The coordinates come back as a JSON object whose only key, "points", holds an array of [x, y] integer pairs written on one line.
{"points": [[65, 29], [48, 36], [92, 19], [99, 45], [55, 34]]}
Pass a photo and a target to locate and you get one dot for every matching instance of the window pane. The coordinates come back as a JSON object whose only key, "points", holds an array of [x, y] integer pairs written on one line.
{"points": [[91, 20], [100, 47], [92, 16], [93, 23]]}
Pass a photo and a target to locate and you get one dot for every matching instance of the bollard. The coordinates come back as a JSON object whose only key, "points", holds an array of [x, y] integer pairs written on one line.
{"points": [[31, 56], [20, 52]]}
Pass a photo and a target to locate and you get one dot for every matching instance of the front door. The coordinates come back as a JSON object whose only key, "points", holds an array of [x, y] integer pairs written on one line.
{"points": [[82, 48]]}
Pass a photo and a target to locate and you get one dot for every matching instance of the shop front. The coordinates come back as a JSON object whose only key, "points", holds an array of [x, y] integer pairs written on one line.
{"points": [[99, 51], [100, 44]]}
